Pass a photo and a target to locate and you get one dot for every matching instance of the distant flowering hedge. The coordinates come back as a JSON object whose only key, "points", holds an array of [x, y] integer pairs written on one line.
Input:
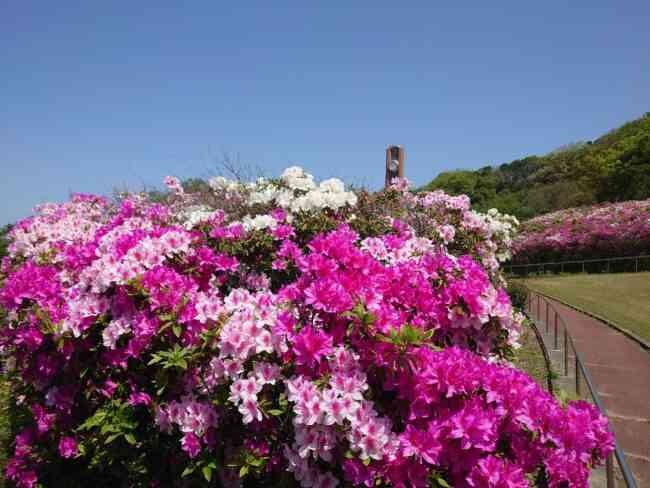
{"points": [[600, 231], [276, 333]]}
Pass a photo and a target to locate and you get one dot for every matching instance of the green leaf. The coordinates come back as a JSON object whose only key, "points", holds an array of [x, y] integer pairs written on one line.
{"points": [[207, 472], [243, 471], [156, 359], [257, 462], [93, 421], [436, 480], [283, 401], [408, 335], [275, 412], [111, 438], [130, 438], [187, 471], [176, 329]]}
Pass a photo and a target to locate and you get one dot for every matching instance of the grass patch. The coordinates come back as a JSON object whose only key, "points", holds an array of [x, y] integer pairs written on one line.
{"points": [[5, 427], [623, 298], [529, 356]]}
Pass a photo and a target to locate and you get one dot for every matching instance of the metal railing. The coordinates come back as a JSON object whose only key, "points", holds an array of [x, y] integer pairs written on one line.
{"points": [[625, 264], [536, 305]]}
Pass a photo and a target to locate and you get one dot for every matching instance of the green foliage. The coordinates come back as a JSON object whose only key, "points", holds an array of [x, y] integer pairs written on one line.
{"points": [[5, 403], [518, 294], [4, 240], [614, 167], [113, 422], [436, 480], [408, 336], [176, 357], [5, 424]]}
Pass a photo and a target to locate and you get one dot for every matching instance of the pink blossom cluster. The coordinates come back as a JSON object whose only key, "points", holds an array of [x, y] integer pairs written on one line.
{"points": [[194, 419], [441, 216], [362, 343], [599, 231]]}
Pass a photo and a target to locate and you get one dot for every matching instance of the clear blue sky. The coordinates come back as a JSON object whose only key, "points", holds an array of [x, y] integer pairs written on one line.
{"points": [[95, 95]]}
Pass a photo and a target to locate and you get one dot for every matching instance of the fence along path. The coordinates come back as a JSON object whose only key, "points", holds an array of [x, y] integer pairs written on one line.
{"points": [[625, 264], [619, 369]]}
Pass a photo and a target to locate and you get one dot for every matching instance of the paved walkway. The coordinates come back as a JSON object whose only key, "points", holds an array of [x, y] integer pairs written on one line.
{"points": [[620, 370]]}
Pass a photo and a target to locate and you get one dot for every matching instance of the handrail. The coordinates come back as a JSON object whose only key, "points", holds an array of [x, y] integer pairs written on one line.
{"points": [[580, 369]]}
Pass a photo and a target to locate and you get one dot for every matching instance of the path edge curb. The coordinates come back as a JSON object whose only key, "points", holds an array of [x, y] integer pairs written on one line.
{"points": [[631, 335]]}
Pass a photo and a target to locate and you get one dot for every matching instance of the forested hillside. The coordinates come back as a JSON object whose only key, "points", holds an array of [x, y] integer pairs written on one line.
{"points": [[614, 167]]}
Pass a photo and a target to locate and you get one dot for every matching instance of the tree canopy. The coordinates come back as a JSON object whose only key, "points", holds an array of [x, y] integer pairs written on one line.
{"points": [[615, 167]]}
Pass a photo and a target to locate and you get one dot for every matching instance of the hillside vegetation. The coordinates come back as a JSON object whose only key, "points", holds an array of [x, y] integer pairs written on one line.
{"points": [[615, 167]]}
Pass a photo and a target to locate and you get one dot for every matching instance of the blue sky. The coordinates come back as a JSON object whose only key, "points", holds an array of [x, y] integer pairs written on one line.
{"points": [[98, 95]]}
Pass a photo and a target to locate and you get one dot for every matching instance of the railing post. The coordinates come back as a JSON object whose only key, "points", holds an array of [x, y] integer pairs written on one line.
{"points": [[555, 332], [609, 469], [636, 264], [583, 266], [577, 374], [566, 352]]}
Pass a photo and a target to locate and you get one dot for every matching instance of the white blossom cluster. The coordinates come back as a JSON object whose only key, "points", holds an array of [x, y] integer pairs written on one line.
{"points": [[503, 227], [297, 192], [196, 215], [219, 183], [259, 222], [507, 220]]}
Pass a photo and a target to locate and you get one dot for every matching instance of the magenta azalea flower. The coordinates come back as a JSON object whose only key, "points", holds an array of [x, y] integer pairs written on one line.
{"points": [[311, 345], [191, 444], [68, 447]]}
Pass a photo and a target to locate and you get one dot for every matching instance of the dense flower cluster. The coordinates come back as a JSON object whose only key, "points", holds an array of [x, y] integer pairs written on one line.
{"points": [[294, 335], [600, 231]]}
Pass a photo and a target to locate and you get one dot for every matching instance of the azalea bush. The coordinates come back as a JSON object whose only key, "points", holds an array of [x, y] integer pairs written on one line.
{"points": [[600, 231], [276, 333]]}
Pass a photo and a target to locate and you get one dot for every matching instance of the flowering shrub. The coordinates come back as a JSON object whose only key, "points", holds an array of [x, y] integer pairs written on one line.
{"points": [[600, 231], [279, 333]]}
